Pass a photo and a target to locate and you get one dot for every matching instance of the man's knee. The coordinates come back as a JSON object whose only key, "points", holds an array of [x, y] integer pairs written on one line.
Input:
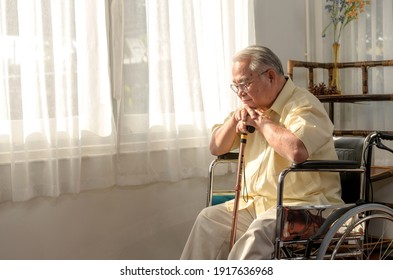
{"points": [[213, 212]]}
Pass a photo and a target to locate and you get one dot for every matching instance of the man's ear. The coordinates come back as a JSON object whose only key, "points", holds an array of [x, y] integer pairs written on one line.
{"points": [[271, 74]]}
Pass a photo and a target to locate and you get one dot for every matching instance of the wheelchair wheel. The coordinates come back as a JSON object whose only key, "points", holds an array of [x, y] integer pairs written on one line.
{"points": [[364, 232]]}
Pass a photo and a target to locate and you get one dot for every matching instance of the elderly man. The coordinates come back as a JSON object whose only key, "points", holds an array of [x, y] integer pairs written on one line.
{"points": [[291, 126]]}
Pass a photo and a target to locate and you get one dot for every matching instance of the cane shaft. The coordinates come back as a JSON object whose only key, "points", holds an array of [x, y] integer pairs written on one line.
{"points": [[243, 141]]}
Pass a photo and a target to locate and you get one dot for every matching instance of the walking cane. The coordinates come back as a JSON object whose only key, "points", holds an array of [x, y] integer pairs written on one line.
{"points": [[243, 141]]}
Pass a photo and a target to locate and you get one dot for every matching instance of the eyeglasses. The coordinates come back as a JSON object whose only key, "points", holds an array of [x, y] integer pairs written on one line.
{"points": [[244, 86]]}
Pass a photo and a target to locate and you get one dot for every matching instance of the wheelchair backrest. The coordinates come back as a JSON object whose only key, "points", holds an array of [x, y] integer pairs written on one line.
{"points": [[350, 148]]}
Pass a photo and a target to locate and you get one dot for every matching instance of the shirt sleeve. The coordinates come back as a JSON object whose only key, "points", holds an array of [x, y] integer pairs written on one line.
{"points": [[311, 124], [236, 143]]}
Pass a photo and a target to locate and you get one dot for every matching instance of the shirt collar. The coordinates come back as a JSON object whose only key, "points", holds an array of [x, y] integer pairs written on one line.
{"points": [[283, 96]]}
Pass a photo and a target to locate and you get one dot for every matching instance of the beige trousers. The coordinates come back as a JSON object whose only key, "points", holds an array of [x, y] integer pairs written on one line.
{"points": [[209, 237]]}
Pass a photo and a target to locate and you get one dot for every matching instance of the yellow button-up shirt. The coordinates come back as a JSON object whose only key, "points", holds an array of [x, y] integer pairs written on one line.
{"points": [[303, 114]]}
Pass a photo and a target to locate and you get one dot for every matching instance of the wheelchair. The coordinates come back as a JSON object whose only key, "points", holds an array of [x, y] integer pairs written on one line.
{"points": [[360, 229]]}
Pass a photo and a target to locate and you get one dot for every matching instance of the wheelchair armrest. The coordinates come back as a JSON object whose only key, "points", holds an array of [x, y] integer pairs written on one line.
{"points": [[316, 166], [326, 164], [228, 156]]}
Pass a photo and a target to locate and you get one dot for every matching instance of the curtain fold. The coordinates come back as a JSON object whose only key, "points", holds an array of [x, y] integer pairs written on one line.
{"points": [[189, 46], [119, 92], [57, 108]]}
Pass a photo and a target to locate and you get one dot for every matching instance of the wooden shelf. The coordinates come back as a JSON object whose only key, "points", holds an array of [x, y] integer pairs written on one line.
{"points": [[348, 98], [381, 172], [354, 98], [363, 133]]}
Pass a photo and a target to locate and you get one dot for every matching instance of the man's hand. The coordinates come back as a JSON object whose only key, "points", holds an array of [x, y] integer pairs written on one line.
{"points": [[248, 116]]}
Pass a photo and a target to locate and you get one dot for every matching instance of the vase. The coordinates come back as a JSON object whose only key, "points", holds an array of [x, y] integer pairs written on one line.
{"points": [[335, 83]]}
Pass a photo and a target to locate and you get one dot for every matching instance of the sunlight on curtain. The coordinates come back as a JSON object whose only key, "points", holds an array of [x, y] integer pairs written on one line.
{"points": [[166, 65], [55, 102], [176, 78], [368, 38]]}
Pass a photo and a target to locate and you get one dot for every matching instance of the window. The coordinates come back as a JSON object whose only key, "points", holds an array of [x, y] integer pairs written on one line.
{"points": [[55, 102], [90, 103]]}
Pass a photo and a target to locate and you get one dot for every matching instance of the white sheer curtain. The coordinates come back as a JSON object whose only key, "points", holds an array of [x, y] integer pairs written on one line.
{"points": [[166, 64], [56, 119], [368, 38], [176, 79]]}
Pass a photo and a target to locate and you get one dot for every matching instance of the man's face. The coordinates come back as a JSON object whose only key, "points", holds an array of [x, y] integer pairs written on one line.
{"points": [[254, 87]]}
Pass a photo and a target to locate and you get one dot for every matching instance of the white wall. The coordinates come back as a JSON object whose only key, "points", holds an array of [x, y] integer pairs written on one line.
{"points": [[281, 26], [146, 222]]}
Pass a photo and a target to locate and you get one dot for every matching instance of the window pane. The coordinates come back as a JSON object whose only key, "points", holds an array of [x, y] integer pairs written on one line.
{"points": [[136, 81]]}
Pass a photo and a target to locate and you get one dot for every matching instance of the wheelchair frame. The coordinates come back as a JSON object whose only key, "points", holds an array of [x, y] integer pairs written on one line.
{"points": [[346, 233]]}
